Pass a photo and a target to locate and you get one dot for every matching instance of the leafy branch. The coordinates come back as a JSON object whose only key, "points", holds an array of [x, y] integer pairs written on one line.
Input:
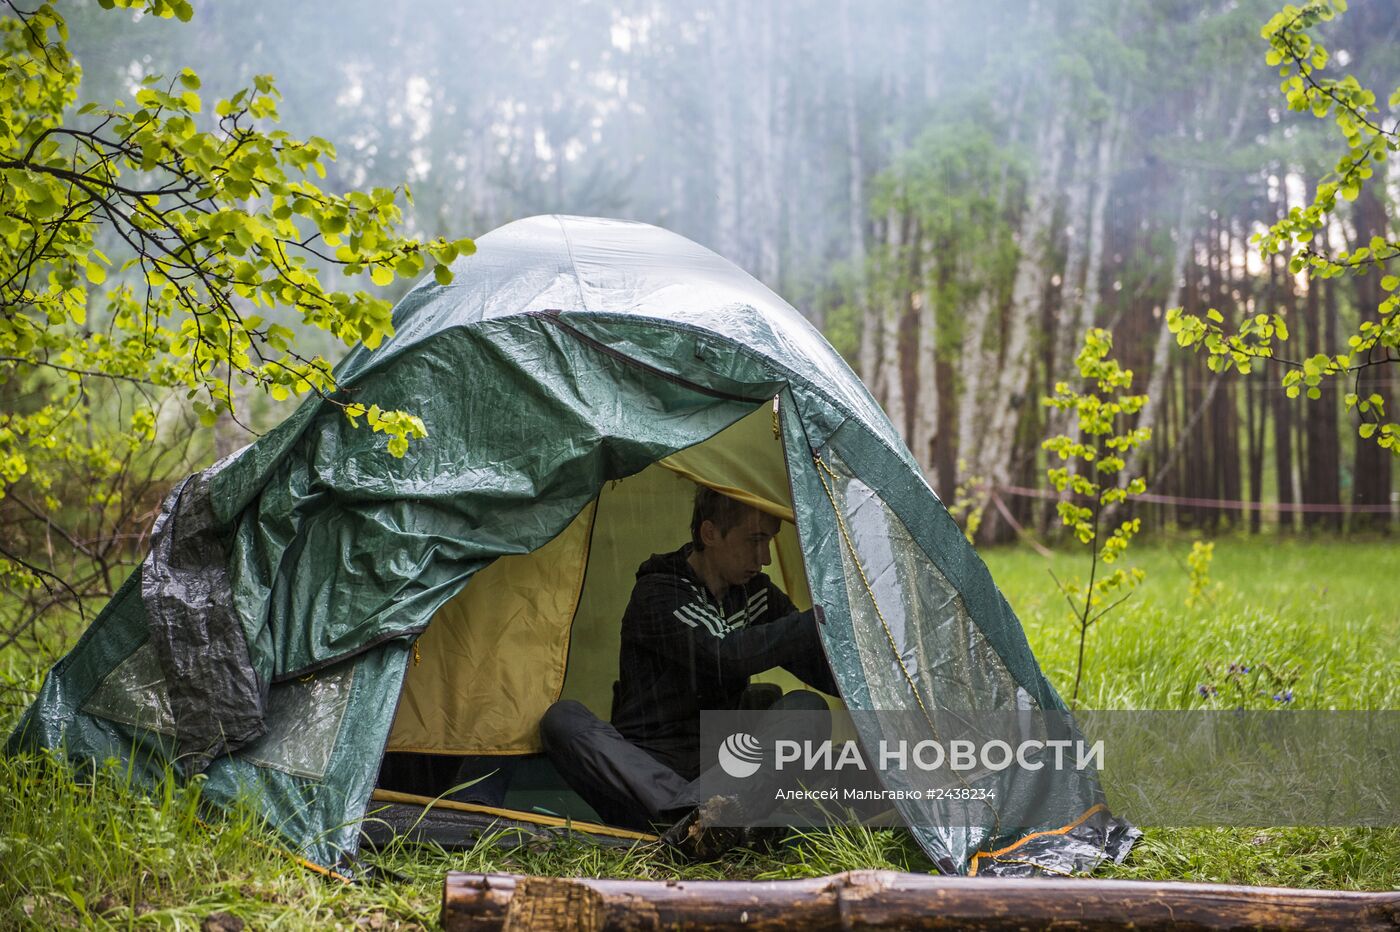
{"points": [[1101, 409], [217, 223], [1300, 59]]}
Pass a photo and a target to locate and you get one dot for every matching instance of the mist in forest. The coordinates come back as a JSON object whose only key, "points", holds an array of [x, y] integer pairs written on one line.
{"points": [[952, 191]]}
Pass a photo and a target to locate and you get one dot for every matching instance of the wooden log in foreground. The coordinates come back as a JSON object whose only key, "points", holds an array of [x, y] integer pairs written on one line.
{"points": [[891, 900]]}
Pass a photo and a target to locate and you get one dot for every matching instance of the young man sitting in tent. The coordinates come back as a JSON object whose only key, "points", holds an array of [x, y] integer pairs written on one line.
{"points": [[701, 621]]}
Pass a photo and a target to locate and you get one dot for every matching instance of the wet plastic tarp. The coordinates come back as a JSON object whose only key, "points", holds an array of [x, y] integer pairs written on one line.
{"points": [[285, 587]]}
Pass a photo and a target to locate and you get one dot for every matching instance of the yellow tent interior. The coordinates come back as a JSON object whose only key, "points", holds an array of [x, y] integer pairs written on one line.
{"points": [[536, 627]]}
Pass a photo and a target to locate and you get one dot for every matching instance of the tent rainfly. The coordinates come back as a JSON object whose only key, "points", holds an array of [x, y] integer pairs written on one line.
{"points": [[311, 602]]}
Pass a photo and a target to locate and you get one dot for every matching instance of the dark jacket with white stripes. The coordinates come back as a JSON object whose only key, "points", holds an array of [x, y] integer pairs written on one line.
{"points": [[684, 651]]}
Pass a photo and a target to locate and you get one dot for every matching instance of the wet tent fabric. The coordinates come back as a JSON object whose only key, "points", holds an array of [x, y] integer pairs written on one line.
{"points": [[265, 639]]}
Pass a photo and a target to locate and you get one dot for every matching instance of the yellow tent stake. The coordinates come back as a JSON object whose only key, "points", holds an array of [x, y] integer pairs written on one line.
{"points": [[515, 815], [275, 849]]}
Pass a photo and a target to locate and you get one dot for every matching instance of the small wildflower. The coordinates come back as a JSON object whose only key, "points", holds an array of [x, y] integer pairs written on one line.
{"points": [[1285, 696], [1206, 690]]}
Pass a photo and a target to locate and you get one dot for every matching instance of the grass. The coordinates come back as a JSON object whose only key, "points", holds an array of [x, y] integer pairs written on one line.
{"points": [[1325, 608], [100, 852]]}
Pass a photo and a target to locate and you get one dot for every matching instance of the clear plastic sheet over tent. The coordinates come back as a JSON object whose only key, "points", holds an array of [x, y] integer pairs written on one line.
{"points": [[567, 354]]}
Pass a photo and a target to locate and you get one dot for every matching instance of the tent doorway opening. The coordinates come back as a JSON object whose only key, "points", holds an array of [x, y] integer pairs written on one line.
{"points": [[536, 627]]}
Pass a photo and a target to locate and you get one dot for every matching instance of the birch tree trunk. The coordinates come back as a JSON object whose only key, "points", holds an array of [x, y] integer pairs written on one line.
{"points": [[1032, 270], [977, 364], [800, 246], [869, 357], [1080, 307], [1076, 249], [926, 359], [760, 191], [725, 165], [1086, 299], [1066, 337], [889, 383], [777, 134]]}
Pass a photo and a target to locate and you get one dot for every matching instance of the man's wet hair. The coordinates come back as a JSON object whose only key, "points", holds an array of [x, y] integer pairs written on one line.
{"points": [[721, 510]]}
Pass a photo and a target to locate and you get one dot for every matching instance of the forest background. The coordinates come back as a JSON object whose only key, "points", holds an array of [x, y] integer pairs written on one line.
{"points": [[953, 192]]}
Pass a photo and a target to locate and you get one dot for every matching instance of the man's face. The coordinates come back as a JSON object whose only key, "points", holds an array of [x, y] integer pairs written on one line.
{"points": [[743, 551]]}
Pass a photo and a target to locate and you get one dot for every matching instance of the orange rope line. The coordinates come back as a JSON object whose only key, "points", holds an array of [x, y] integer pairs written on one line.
{"points": [[972, 872]]}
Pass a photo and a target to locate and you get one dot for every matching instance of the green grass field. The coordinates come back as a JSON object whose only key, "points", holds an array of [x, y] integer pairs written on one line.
{"points": [[101, 852]]}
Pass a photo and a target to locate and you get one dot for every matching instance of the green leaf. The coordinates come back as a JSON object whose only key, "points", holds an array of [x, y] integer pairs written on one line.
{"points": [[381, 275], [442, 274]]}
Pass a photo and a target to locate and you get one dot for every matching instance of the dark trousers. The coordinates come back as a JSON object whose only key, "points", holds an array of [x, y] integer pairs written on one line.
{"points": [[624, 783]]}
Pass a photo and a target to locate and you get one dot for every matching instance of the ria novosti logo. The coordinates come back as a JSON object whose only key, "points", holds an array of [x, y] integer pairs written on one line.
{"points": [[740, 755]]}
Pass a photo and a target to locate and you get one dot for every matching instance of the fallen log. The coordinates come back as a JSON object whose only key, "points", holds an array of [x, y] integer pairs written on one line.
{"points": [[892, 900]]}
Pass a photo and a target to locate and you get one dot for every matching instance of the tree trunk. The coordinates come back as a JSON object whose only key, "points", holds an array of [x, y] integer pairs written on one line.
{"points": [[725, 164], [1110, 141], [1185, 240], [1281, 290], [869, 358], [801, 247], [1194, 433], [977, 364], [872, 899], [1255, 387], [945, 442], [926, 403], [1371, 482], [1067, 337], [1227, 446], [768, 111], [889, 380], [1008, 399], [1254, 431], [1321, 476]]}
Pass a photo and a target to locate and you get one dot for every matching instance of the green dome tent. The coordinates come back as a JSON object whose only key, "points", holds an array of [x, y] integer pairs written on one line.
{"points": [[311, 601]]}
